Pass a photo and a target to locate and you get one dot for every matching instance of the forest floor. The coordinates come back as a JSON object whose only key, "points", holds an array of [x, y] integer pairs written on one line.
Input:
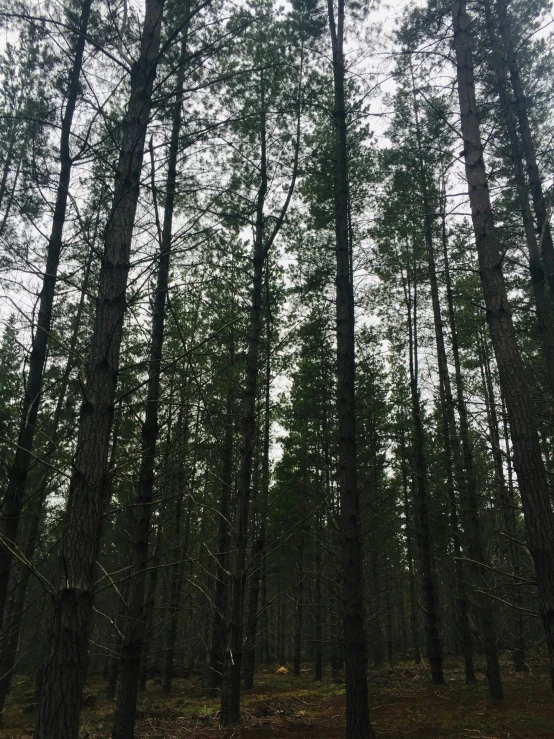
{"points": [[403, 704]]}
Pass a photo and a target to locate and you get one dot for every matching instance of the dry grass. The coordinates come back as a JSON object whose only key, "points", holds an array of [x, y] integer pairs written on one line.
{"points": [[403, 704]]}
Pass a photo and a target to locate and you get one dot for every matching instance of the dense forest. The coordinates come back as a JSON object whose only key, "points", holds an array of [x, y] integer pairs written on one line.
{"points": [[276, 368]]}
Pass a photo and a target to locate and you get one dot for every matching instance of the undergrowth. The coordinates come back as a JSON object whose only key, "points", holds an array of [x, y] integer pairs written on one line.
{"points": [[403, 704]]}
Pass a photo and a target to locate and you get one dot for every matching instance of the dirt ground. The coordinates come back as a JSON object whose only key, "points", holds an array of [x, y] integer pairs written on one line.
{"points": [[403, 704]]}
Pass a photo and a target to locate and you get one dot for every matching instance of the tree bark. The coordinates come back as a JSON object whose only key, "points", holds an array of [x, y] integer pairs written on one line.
{"points": [[232, 661], [135, 625], [358, 725], [544, 297], [414, 628], [433, 640], [544, 232], [10, 637], [217, 644], [66, 665], [454, 465], [299, 607], [528, 462], [258, 550]]}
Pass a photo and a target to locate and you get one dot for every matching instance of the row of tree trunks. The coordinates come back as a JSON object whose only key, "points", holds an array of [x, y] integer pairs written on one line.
{"points": [[544, 233], [528, 462], [544, 302], [263, 241], [34, 508], [17, 478], [454, 466], [66, 664]]}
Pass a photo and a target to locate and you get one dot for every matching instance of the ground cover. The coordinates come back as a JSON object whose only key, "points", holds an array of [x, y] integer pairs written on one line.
{"points": [[403, 704]]}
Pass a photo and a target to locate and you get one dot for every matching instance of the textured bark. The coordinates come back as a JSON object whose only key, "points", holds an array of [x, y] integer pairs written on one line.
{"points": [[17, 476], [543, 297], [135, 625], [219, 629], [357, 705], [299, 607], [414, 628], [232, 661], [518, 651], [454, 465], [318, 610], [258, 550], [66, 664], [175, 588], [433, 640], [528, 462], [252, 615], [150, 602], [544, 232], [34, 507], [504, 501]]}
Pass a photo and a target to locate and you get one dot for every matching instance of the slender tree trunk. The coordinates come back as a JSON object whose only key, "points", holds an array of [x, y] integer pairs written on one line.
{"points": [[505, 501], [258, 550], [423, 532], [10, 636], [66, 665], [299, 607], [17, 476], [217, 644], [232, 662], [252, 615], [528, 462], [357, 706], [464, 478], [518, 652], [150, 603], [177, 574], [414, 628], [135, 625], [318, 610], [546, 246], [543, 297]]}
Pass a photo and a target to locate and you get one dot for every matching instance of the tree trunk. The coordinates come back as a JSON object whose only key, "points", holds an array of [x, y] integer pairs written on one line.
{"points": [[10, 636], [357, 706], [258, 550], [543, 297], [150, 602], [217, 644], [299, 605], [135, 625], [17, 476], [528, 462], [546, 246], [518, 651], [318, 610], [232, 662], [177, 574], [66, 665], [423, 532]]}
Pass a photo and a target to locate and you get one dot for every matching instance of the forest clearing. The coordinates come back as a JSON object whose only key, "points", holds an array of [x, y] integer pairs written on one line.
{"points": [[276, 369], [402, 705]]}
